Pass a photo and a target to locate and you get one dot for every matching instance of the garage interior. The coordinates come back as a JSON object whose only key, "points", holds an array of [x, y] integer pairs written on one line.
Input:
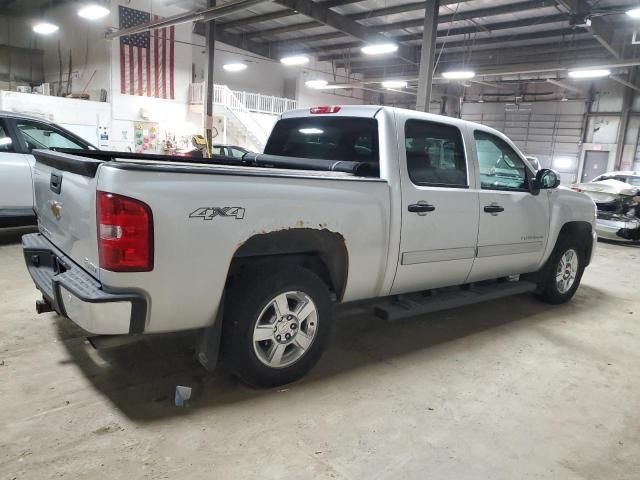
{"points": [[510, 388]]}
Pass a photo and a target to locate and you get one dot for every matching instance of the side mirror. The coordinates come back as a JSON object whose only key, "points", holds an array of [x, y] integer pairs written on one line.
{"points": [[548, 178], [544, 179]]}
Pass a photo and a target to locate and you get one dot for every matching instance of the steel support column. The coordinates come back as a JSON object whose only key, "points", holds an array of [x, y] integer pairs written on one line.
{"points": [[427, 54], [208, 102], [627, 100]]}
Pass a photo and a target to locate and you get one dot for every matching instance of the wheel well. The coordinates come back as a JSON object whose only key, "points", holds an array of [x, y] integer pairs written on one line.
{"points": [[581, 231], [321, 251]]}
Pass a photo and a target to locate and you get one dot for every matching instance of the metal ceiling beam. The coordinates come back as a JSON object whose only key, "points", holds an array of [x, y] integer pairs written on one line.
{"points": [[525, 69], [280, 14], [585, 47], [480, 63], [442, 20], [204, 15], [513, 24], [407, 7], [621, 81], [599, 28], [237, 41], [328, 17]]}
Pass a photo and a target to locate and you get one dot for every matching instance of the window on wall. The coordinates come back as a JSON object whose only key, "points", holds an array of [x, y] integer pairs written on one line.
{"points": [[40, 135], [501, 168], [6, 144], [435, 154]]}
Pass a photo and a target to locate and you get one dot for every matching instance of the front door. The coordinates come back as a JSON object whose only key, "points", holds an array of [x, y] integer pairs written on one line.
{"points": [[595, 164], [439, 210], [16, 192], [514, 223]]}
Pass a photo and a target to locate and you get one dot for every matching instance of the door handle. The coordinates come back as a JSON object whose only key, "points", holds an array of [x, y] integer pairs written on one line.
{"points": [[420, 208], [493, 209]]}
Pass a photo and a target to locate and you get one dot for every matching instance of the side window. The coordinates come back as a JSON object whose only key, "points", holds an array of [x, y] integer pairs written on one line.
{"points": [[500, 166], [6, 144], [218, 151], [236, 153], [435, 154], [40, 135]]}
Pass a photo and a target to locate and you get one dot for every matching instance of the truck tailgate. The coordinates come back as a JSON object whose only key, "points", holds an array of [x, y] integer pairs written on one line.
{"points": [[65, 202]]}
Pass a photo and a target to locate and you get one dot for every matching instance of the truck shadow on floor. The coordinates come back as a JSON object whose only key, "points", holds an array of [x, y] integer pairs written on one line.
{"points": [[140, 378]]}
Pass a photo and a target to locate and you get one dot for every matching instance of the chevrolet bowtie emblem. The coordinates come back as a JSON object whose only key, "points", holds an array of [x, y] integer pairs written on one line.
{"points": [[56, 209]]}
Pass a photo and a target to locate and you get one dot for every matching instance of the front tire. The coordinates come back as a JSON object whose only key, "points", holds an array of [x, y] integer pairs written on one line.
{"points": [[563, 271], [276, 325]]}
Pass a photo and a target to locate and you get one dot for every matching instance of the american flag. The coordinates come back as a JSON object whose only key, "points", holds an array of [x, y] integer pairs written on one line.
{"points": [[147, 58]]}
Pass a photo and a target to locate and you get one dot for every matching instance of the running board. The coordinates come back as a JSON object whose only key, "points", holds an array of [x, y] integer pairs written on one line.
{"points": [[410, 305]]}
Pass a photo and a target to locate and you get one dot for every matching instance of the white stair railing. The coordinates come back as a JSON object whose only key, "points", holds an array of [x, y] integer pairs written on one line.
{"points": [[224, 97], [240, 105]]}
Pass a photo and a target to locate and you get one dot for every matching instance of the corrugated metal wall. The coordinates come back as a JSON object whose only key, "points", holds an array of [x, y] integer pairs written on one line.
{"points": [[550, 131]]}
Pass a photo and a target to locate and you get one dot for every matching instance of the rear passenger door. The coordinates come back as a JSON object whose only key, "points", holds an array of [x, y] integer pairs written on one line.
{"points": [[439, 210]]}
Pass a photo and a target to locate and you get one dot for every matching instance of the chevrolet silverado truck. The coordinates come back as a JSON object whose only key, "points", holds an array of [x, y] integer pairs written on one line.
{"points": [[413, 211]]}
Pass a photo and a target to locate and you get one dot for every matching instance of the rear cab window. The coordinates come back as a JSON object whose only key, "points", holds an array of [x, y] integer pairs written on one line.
{"points": [[435, 154], [352, 139]]}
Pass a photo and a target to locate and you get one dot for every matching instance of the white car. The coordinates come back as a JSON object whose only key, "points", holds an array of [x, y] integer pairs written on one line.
{"points": [[347, 203], [617, 198], [19, 135]]}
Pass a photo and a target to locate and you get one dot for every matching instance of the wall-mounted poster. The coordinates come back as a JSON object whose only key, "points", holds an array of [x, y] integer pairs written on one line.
{"points": [[145, 137]]}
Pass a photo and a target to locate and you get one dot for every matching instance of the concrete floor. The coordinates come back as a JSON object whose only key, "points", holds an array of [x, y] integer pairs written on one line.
{"points": [[510, 390]]}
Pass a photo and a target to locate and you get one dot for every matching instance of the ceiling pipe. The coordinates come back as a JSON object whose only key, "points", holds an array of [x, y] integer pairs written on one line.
{"points": [[203, 15], [566, 86]]}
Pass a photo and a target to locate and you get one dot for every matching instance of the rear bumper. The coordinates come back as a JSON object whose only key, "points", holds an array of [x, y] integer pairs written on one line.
{"points": [[75, 294]]}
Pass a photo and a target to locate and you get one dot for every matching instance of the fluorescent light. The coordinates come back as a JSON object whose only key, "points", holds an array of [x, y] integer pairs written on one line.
{"points": [[459, 74], [93, 11], [295, 60], [316, 83], [234, 67], [394, 84], [590, 73], [633, 13], [311, 131], [44, 28], [379, 48]]}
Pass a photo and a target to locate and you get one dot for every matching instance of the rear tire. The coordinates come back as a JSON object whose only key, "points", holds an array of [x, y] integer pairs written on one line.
{"points": [[276, 324], [563, 271]]}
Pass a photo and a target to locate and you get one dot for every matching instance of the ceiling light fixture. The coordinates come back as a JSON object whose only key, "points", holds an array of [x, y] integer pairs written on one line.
{"points": [[459, 74], [293, 60], [595, 73], [45, 28], [93, 11], [235, 67], [394, 84], [379, 48], [318, 83], [633, 13]]}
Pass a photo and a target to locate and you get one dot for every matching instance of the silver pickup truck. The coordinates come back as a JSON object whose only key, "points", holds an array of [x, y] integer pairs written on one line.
{"points": [[347, 203]]}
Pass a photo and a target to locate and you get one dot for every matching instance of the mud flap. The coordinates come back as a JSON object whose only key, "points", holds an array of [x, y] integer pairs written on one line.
{"points": [[208, 349]]}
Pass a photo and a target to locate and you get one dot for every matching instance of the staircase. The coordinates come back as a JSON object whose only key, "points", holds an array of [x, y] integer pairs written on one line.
{"points": [[240, 107]]}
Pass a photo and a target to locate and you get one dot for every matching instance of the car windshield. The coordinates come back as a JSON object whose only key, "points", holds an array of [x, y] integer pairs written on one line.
{"points": [[327, 138]]}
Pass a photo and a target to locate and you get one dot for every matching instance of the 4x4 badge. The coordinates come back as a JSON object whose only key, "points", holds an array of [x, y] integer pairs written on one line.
{"points": [[208, 213]]}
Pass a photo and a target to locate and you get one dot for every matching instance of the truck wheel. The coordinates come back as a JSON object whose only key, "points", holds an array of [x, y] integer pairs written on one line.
{"points": [[563, 271], [276, 325]]}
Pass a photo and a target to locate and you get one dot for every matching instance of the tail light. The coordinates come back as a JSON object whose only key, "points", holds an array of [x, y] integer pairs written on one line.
{"points": [[125, 233], [325, 109]]}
